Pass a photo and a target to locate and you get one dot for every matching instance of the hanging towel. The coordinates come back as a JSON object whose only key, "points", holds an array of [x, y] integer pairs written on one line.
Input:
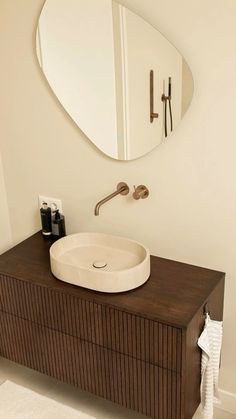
{"points": [[210, 342]]}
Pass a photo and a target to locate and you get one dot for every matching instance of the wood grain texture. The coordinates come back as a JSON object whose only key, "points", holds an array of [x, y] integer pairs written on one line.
{"points": [[138, 349], [133, 383], [113, 329], [172, 295], [192, 354]]}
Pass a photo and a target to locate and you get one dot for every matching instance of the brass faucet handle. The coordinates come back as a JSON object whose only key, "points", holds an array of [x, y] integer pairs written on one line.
{"points": [[140, 191]]}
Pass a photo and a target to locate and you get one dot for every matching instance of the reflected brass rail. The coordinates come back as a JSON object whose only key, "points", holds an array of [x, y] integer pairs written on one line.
{"points": [[153, 115]]}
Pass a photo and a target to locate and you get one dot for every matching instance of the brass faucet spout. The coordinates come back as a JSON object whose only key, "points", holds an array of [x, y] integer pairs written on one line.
{"points": [[122, 189]]}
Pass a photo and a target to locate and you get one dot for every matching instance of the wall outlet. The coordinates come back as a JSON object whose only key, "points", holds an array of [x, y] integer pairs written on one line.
{"points": [[50, 201]]}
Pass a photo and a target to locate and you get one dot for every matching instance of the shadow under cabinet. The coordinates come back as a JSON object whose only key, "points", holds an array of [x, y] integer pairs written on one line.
{"points": [[138, 348]]}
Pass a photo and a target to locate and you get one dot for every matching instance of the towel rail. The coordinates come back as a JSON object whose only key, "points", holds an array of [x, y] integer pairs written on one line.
{"points": [[153, 115]]}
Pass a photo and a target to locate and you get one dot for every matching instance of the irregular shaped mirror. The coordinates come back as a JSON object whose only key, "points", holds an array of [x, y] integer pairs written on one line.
{"points": [[124, 84]]}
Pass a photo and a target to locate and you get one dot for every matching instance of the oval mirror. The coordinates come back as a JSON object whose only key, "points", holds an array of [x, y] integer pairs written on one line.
{"points": [[124, 84]]}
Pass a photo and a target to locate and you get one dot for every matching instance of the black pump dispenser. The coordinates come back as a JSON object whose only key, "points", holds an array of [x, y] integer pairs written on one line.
{"points": [[58, 224], [45, 213]]}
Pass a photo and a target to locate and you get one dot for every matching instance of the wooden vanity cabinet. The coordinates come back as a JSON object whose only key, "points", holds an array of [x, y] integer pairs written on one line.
{"points": [[137, 348]]}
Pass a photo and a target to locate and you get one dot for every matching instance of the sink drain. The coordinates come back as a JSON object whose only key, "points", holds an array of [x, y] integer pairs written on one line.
{"points": [[98, 264]]}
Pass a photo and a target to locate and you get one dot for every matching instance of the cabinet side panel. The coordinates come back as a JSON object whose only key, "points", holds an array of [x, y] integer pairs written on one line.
{"points": [[192, 354]]}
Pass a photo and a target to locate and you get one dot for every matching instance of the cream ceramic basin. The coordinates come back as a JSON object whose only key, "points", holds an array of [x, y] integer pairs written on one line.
{"points": [[100, 262]]}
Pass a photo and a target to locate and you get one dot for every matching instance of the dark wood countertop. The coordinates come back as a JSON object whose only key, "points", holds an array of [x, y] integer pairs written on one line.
{"points": [[172, 295]]}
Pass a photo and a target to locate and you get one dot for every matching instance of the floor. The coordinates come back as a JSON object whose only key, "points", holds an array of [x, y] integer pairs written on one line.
{"points": [[73, 397]]}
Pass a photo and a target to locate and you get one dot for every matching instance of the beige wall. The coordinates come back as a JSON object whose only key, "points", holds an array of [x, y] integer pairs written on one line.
{"points": [[191, 213], [5, 230]]}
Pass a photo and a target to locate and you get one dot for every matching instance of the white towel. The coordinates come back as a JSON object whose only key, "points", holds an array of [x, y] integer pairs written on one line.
{"points": [[210, 342]]}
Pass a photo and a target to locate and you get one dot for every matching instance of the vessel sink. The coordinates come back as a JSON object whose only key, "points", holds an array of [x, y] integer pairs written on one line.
{"points": [[100, 262]]}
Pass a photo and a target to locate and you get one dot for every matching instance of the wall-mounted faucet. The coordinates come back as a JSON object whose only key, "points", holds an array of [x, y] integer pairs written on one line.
{"points": [[122, 189]]}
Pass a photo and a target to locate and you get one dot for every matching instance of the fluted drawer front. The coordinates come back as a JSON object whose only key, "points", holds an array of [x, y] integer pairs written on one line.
{"points": [[126, 333], [133, 383], [142, 338], [56, 310]]}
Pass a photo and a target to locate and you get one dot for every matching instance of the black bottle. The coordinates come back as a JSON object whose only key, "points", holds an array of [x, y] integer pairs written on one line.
{"points": [[46, 219], [58, 224]]}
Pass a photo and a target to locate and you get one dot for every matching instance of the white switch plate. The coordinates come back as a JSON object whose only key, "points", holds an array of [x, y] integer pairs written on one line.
{"points": [[50, 201]]}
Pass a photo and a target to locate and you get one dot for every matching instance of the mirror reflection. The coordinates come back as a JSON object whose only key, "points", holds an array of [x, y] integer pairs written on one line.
{"points": [[124, 84]]}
